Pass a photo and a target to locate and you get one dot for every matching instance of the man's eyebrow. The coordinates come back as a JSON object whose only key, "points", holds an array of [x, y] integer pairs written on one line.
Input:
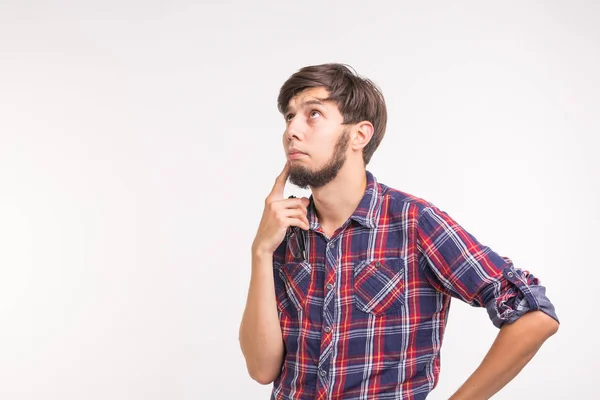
{"points": [[308, 102]]}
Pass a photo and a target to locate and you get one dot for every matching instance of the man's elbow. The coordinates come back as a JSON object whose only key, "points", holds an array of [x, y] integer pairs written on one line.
{"points": [[545, 324], [265, 368], [552, 325], [264, 371], [263, 377]]}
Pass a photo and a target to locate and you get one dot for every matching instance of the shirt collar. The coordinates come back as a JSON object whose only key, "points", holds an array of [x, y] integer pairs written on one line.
{"points": [[367, 212]]}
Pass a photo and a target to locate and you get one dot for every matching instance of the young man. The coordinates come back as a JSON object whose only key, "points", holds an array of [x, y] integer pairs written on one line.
{"points": [[350, 288]]}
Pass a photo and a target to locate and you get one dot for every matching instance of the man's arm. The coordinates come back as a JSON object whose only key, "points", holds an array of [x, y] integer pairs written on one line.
{"points": [[458, 264], [514, 347], [260, 334]]}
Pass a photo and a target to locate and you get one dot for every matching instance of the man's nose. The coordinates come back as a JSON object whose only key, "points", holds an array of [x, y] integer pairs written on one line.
{"points": [[294, 130]]}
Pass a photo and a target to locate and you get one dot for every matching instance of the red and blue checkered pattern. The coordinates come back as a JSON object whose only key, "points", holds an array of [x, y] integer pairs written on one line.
{"points": [[363, 316]]}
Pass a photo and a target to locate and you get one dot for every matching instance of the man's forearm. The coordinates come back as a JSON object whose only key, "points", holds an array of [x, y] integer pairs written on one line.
{"points": [[514, 347], [260, 333]]}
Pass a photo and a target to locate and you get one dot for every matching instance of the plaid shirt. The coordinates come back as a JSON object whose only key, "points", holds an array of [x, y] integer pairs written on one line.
{"points": [[363, 316]]}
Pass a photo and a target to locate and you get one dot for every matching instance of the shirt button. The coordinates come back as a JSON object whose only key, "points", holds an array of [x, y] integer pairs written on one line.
{"points": [[323, 373], [329, 286], [510, 274], [378, 264], [327, 329]]}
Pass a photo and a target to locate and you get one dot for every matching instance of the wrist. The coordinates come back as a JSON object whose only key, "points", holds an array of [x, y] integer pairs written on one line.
{"points": [[261, 253]]}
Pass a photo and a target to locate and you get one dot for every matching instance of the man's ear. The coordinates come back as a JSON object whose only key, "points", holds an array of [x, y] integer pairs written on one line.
{"points": [[363, 132]]}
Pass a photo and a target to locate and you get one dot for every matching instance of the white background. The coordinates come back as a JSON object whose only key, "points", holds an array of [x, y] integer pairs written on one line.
{"points": [[138, 140]]}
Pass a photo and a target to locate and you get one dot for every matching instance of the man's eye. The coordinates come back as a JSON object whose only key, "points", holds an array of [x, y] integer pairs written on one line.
{"points": [[290, 116]]}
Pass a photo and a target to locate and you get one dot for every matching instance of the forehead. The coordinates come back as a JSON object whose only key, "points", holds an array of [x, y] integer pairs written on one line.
{"points": [[310, 95]]}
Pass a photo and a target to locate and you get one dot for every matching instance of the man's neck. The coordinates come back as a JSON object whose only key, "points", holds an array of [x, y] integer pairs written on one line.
{"points": [[337, 201]]}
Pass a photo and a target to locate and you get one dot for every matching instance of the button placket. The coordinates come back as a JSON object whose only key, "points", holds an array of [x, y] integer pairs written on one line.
{"points": [[328, 311]]}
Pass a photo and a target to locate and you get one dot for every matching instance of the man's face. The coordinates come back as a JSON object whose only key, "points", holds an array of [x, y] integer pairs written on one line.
{"points": [[316, 133]]}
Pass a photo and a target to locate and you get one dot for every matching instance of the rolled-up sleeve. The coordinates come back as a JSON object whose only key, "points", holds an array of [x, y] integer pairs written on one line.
{"points": [[466, 269]]}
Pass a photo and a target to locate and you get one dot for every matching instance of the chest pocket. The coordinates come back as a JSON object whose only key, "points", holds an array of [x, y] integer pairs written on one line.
{"points": [[296, 276], [379, 285]]}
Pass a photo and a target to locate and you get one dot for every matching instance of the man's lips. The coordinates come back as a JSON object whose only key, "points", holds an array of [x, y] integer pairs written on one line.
{"points": [[295, 154]]}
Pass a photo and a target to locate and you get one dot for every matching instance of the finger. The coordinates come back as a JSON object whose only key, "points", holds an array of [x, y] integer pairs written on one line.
{"points": [[295, 203], [279, 186], [305, 201], [300, 223], [295, 213], [302, 201]]}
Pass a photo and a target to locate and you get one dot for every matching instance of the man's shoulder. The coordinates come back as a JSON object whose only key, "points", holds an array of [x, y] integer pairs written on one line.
{"points": [[398, 200]]}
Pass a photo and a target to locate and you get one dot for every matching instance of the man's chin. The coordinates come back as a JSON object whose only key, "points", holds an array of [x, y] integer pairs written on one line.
{"points": [[300, 181]]}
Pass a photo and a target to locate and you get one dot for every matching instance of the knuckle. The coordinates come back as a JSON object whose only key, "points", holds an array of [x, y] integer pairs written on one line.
{"points": [[280, 218]]}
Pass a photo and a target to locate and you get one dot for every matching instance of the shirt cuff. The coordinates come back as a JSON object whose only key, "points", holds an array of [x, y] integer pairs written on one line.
{"points": [[522, 294]]}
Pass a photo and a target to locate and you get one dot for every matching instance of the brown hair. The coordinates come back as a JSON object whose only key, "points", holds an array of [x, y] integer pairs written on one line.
{"points": [[357, 98]]}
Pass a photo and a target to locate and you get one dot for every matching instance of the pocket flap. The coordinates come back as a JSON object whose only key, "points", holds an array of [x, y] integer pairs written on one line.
{"points": [[379, 285]]}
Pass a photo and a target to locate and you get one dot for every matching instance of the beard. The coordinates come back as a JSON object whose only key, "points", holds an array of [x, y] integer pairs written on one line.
{"points": [[303, 177]]}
